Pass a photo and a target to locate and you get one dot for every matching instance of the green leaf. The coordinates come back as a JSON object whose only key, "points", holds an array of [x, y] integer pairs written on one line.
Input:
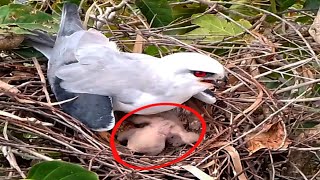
{"points": [[4, 2], [80, 176], [217, 27], [18, 19], [186, 11], [312, 5], [157, 12], [28, 53], [243, 10], [304, 19], [154, 50], [16, 30], [212, 23], [203, 33], [284, 4], [59, 170]]}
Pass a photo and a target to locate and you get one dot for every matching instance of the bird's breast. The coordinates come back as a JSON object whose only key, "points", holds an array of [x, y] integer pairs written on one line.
{"points": [[145, 100]]}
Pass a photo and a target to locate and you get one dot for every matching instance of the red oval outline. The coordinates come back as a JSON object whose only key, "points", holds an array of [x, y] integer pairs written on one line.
{"points": [[116, 127]]}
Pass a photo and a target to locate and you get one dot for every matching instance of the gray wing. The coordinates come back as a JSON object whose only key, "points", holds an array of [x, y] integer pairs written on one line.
{"points": [[104, 71], [94, 111]]}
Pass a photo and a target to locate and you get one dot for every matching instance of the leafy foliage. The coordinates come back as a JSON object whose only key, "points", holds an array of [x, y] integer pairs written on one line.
{"points": [[312, 5], [59, 170], [4, 2], [210, 27], [243, 10], [18, 19], [157, 12], [216, 28], [186, 11], [284, 4]]}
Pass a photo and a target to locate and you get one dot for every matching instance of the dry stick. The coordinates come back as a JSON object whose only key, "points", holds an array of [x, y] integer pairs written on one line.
{"points": [[27, 148], [254, 105], [211, 3], [42, 78], [6, 150], [104, 17], [118, 168], [7, 87], [252, 130], [300, 172], [41, 156], [87, 15], [140, 19], [9, 115], [89, 138], [237, 166], [267, 73], [297, 86], [53, 139], [286, 73], [258, 101], [306, 149], [127, 170], [272, 165], [248, 100], [317, 174]]}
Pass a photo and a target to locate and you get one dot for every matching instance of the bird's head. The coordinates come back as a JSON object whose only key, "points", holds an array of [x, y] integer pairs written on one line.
{"points": [[199, 67]]}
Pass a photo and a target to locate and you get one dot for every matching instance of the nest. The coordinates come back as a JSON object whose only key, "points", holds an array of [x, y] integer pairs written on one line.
{"points": [[251, 131]]}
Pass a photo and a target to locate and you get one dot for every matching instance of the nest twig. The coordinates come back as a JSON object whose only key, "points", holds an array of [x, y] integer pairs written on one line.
{"points": [[36, 130]]}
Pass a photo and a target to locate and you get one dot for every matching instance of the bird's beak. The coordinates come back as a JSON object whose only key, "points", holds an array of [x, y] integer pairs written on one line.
{"points": [[221, 82], [211, 81]]}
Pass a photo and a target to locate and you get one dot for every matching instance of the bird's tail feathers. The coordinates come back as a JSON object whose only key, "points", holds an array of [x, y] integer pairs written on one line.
{"points": [[41, 38], [41, 41], [70, 20]]}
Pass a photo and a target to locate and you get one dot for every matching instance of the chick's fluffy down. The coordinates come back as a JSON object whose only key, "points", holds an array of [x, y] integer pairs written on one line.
{"points": [[151, 139]]}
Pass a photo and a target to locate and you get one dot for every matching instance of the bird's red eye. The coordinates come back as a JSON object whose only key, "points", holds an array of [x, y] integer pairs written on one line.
{"points": [[200, 74]]}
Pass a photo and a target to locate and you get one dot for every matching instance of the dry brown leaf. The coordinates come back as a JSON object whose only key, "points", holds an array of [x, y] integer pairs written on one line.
{"points": [[272, 136], [198, 173], [236, 162], [314, 30]]}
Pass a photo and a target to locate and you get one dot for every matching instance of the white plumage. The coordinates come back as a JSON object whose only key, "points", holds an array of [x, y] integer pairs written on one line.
{"points": [[133, 80], [84, 63]]}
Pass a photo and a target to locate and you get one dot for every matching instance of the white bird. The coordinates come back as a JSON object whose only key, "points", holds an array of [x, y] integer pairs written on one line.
{"points": [[93, 65]]}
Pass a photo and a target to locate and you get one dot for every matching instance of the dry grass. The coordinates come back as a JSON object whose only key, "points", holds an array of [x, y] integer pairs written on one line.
{"points": [[33, 130]]}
